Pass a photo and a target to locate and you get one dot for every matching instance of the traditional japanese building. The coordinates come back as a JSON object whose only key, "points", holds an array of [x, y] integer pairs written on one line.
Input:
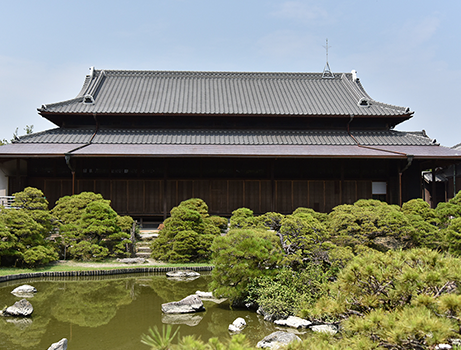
{"points": [[147, 140]]}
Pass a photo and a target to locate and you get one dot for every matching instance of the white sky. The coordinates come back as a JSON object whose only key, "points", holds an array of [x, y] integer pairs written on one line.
{"points": [[406, 52]]}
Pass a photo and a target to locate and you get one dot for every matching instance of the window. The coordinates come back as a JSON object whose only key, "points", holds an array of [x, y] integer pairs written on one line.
{"points": [[379, 190]]}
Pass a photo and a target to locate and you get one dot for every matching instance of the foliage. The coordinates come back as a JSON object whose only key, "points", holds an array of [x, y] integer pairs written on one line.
{"points": [[449, 210], [269, 221], [91, 229], [69, 209], [321, 217], [242, 218], [87, 251], [358, 224], [188, 234], [24, 230], [160, 341], [287, 291], [302, 236], [240, 256], [390, 280]]}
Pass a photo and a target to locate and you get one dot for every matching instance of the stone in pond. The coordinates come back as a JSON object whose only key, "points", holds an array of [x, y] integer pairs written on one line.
{"points": [[189, 304], [19, 308], [277, 340]]}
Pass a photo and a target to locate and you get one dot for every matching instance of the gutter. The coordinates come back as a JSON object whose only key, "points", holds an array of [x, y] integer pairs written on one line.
{"points": [[67, 156], [409, 157]]}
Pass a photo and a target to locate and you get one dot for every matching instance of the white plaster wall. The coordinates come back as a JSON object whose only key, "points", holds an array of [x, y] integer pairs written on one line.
{"points": [[3, 182]]}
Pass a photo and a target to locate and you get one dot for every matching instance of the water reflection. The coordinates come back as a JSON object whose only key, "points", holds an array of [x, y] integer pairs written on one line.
{"points": [[113, 313]]}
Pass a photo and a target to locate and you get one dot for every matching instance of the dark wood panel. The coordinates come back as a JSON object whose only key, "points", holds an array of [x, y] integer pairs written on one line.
{"points": [[119, 196], [135, 196], [363, 190], [103, 187], [284, 196], [349, 189], [218, 203], [252, 195], [53, 190], [235, 195], [332, 194], [266, 196], [300, 194], [84, 186], [202, 190], [184, 190], [153, 199], [317, 195]]}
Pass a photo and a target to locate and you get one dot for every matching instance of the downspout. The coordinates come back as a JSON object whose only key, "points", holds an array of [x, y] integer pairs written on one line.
{"points": [[67, 156], [409, 157]]}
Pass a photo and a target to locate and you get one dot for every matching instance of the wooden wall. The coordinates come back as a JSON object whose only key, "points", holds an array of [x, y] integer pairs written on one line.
{"points": [[143, 197]]}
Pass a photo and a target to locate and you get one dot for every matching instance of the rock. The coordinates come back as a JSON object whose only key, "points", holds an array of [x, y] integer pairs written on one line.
{"points": [[60, 345], [182, 274], [204, 295], [189, 304], [24, 289], [293, 321], [237, 325], [277, 340], [267, 316], [443, 346], [384, 244], [19, 308], [325, 328], [132, 260], [190, 320]]}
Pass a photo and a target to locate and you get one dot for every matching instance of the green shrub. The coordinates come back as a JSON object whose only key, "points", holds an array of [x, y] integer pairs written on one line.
{"points": [[242, 218], [287, 291], [188, 234], [240, 256], [88, 217], [359, 224], [24, 230], [302, 237], [87, 251]]}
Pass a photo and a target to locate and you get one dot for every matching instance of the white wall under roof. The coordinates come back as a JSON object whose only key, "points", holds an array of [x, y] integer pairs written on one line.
{"points": [[3, 183]]}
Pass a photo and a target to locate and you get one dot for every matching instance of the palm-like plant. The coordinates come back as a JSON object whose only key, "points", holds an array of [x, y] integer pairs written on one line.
{"points": [[160, 341]]}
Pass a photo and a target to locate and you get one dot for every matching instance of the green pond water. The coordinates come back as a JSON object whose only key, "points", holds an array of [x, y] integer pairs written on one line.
{"points": [[113, 312]]}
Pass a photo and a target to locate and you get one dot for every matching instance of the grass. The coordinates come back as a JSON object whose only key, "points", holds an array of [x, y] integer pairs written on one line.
{"points": [[77, 266]]}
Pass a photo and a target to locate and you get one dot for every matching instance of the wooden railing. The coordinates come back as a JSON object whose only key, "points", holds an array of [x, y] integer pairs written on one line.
{"points": [[6, 201]]}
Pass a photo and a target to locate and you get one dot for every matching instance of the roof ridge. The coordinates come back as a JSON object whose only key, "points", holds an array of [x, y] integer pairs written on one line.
{"points": [[310, 75]]}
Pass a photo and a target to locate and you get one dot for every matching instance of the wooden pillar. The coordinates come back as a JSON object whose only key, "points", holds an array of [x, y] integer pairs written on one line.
{"points": [[434, 189], [272, 185], [165, 189]]}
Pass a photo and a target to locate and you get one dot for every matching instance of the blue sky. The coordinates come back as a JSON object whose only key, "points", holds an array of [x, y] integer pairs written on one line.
{"points": [[406, 52]]}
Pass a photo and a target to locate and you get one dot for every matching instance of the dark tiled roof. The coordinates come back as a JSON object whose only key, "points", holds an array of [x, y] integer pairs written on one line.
{"points": [[218, 93], [226, 137]]}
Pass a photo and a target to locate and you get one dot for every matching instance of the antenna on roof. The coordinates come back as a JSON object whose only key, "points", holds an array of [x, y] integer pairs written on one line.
{"points": [[91, 72], [327, 73]]}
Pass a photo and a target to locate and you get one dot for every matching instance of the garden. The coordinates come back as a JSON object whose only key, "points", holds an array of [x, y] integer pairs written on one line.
{"points": [[385, 276]]}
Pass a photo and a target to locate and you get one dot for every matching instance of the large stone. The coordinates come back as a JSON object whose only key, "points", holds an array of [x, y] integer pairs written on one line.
{"points": [[325, 328], [19, 308], [182, 274], [293, 321], [237, 325], [132, 260], [189, 304], [204, 295], [24, 291], [277, 340], [60, 345]]}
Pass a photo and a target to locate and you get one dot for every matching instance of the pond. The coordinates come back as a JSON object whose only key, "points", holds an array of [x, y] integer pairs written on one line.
{"points": [[113, 312]]}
